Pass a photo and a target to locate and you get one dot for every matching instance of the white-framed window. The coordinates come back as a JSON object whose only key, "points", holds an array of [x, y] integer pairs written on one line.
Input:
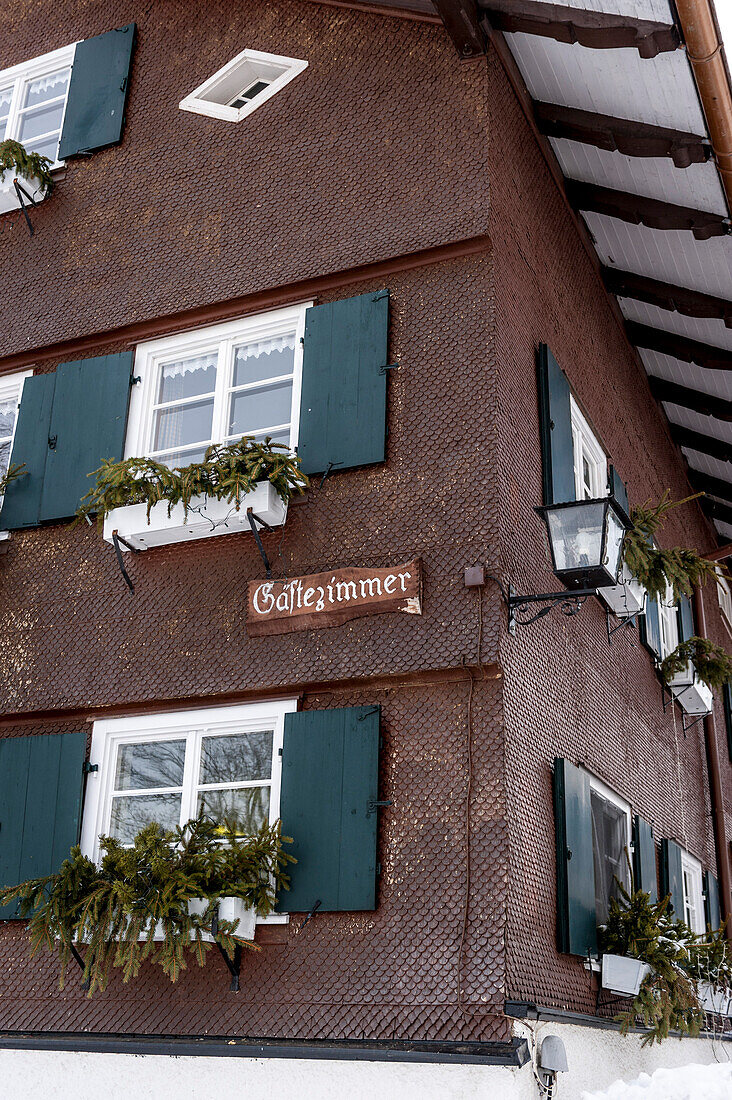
{"points": [[216, 384], [611, 844], [33, 101], [724, 594], [242, 85], [590, 460], [691, 876], [11, 388], [668, 615], [223, 761]]}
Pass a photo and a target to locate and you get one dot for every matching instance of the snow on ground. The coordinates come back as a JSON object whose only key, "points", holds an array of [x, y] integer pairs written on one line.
{"points": [[684, 1083]]}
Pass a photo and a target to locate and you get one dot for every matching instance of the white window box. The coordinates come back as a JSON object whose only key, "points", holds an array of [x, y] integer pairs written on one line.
{"points": [[230, 909], [623, 975], [9, 196], [206, 517], [714, 999], [627, 598], [691, 693]]}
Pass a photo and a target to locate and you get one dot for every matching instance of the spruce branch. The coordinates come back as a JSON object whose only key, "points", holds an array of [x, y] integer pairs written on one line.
{"points": [[16, 159], [228, 472], [712, 663], [680, 568]]}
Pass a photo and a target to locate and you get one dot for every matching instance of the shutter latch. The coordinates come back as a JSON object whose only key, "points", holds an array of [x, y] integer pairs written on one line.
{"points": [[373, 806], [52, 441]]}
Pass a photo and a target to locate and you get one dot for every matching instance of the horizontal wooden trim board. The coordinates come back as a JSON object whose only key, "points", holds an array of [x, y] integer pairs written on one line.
{"points": [[437, 677], [419, 11], [248, 303]]}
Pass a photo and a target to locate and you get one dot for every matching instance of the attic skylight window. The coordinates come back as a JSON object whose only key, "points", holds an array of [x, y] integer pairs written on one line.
{"points": [[243, 85]]}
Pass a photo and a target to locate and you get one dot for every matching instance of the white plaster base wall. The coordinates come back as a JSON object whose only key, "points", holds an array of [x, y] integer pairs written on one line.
{"points": [[596, 1057], [63, 1075]]}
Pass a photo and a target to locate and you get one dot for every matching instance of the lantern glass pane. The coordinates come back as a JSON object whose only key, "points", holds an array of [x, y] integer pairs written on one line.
{"points": [[614, 543], [576, 535]]}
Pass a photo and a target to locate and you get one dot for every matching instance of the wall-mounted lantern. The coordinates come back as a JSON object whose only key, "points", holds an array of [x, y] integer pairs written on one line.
{"points": [[586, 543]]}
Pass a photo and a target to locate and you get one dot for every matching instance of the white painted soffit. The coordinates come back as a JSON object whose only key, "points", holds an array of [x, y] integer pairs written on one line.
{"points": [[618, 82], [708, 464], [669, 255], [697, 186], [658, 10], [697, 422]]}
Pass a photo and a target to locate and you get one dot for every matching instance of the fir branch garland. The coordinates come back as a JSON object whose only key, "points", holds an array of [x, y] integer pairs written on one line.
{"points": [[228, 472], [12, 474], [115, 910], [16, 159], [680, 568], [712, 663]]}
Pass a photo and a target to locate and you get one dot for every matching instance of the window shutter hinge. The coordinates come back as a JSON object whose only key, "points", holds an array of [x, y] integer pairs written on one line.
{"points": [[89, 767], [279, 752], [389, 366], [373, 806], [378, 868], [380, 295], [135, 379], [52, 441]]}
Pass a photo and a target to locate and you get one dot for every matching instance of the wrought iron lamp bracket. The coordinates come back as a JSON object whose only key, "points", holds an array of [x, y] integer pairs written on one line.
{"points": [[569, 603]]}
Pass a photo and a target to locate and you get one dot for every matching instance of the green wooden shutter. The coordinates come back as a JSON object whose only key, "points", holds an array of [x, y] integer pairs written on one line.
{"points": [[576, 918], [727, 697], [40, 805], [644, 858], [686, 618], [649, 626], [343, 404], [672, 879], [618, 489], [95, 109], [712, 914], [555, 420], [68, 422], [329, 784], [22, 504], [88, 424]]}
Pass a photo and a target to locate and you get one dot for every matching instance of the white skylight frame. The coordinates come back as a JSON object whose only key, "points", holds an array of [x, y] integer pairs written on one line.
{"points": [[253, 65]]}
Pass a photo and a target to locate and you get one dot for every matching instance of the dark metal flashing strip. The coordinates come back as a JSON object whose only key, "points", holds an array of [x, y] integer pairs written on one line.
{"points": [[255, 302], [705, 403], [621, 135], [514, 1053], [679, 299], [527, 1010], [680, 347], [640, 210], [596, 30]]}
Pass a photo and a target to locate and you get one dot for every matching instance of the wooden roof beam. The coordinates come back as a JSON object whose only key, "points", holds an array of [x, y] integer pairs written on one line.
{"points": [[621, 135], [715, 510], [680, 347], [639, 210], [705, 483], [596, 30], [704, 444], [678, 299], [461, 20], [705, 403]]}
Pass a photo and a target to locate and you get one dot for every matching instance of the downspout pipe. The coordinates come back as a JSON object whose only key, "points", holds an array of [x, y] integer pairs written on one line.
{"points": [[705, 52], [715, 790]]}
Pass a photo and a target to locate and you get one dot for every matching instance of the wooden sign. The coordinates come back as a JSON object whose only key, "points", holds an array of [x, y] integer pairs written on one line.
{"points": [[327, 599]]}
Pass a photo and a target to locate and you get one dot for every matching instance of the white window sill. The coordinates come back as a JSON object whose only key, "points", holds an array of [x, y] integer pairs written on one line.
{"points": [[206, 518]]}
